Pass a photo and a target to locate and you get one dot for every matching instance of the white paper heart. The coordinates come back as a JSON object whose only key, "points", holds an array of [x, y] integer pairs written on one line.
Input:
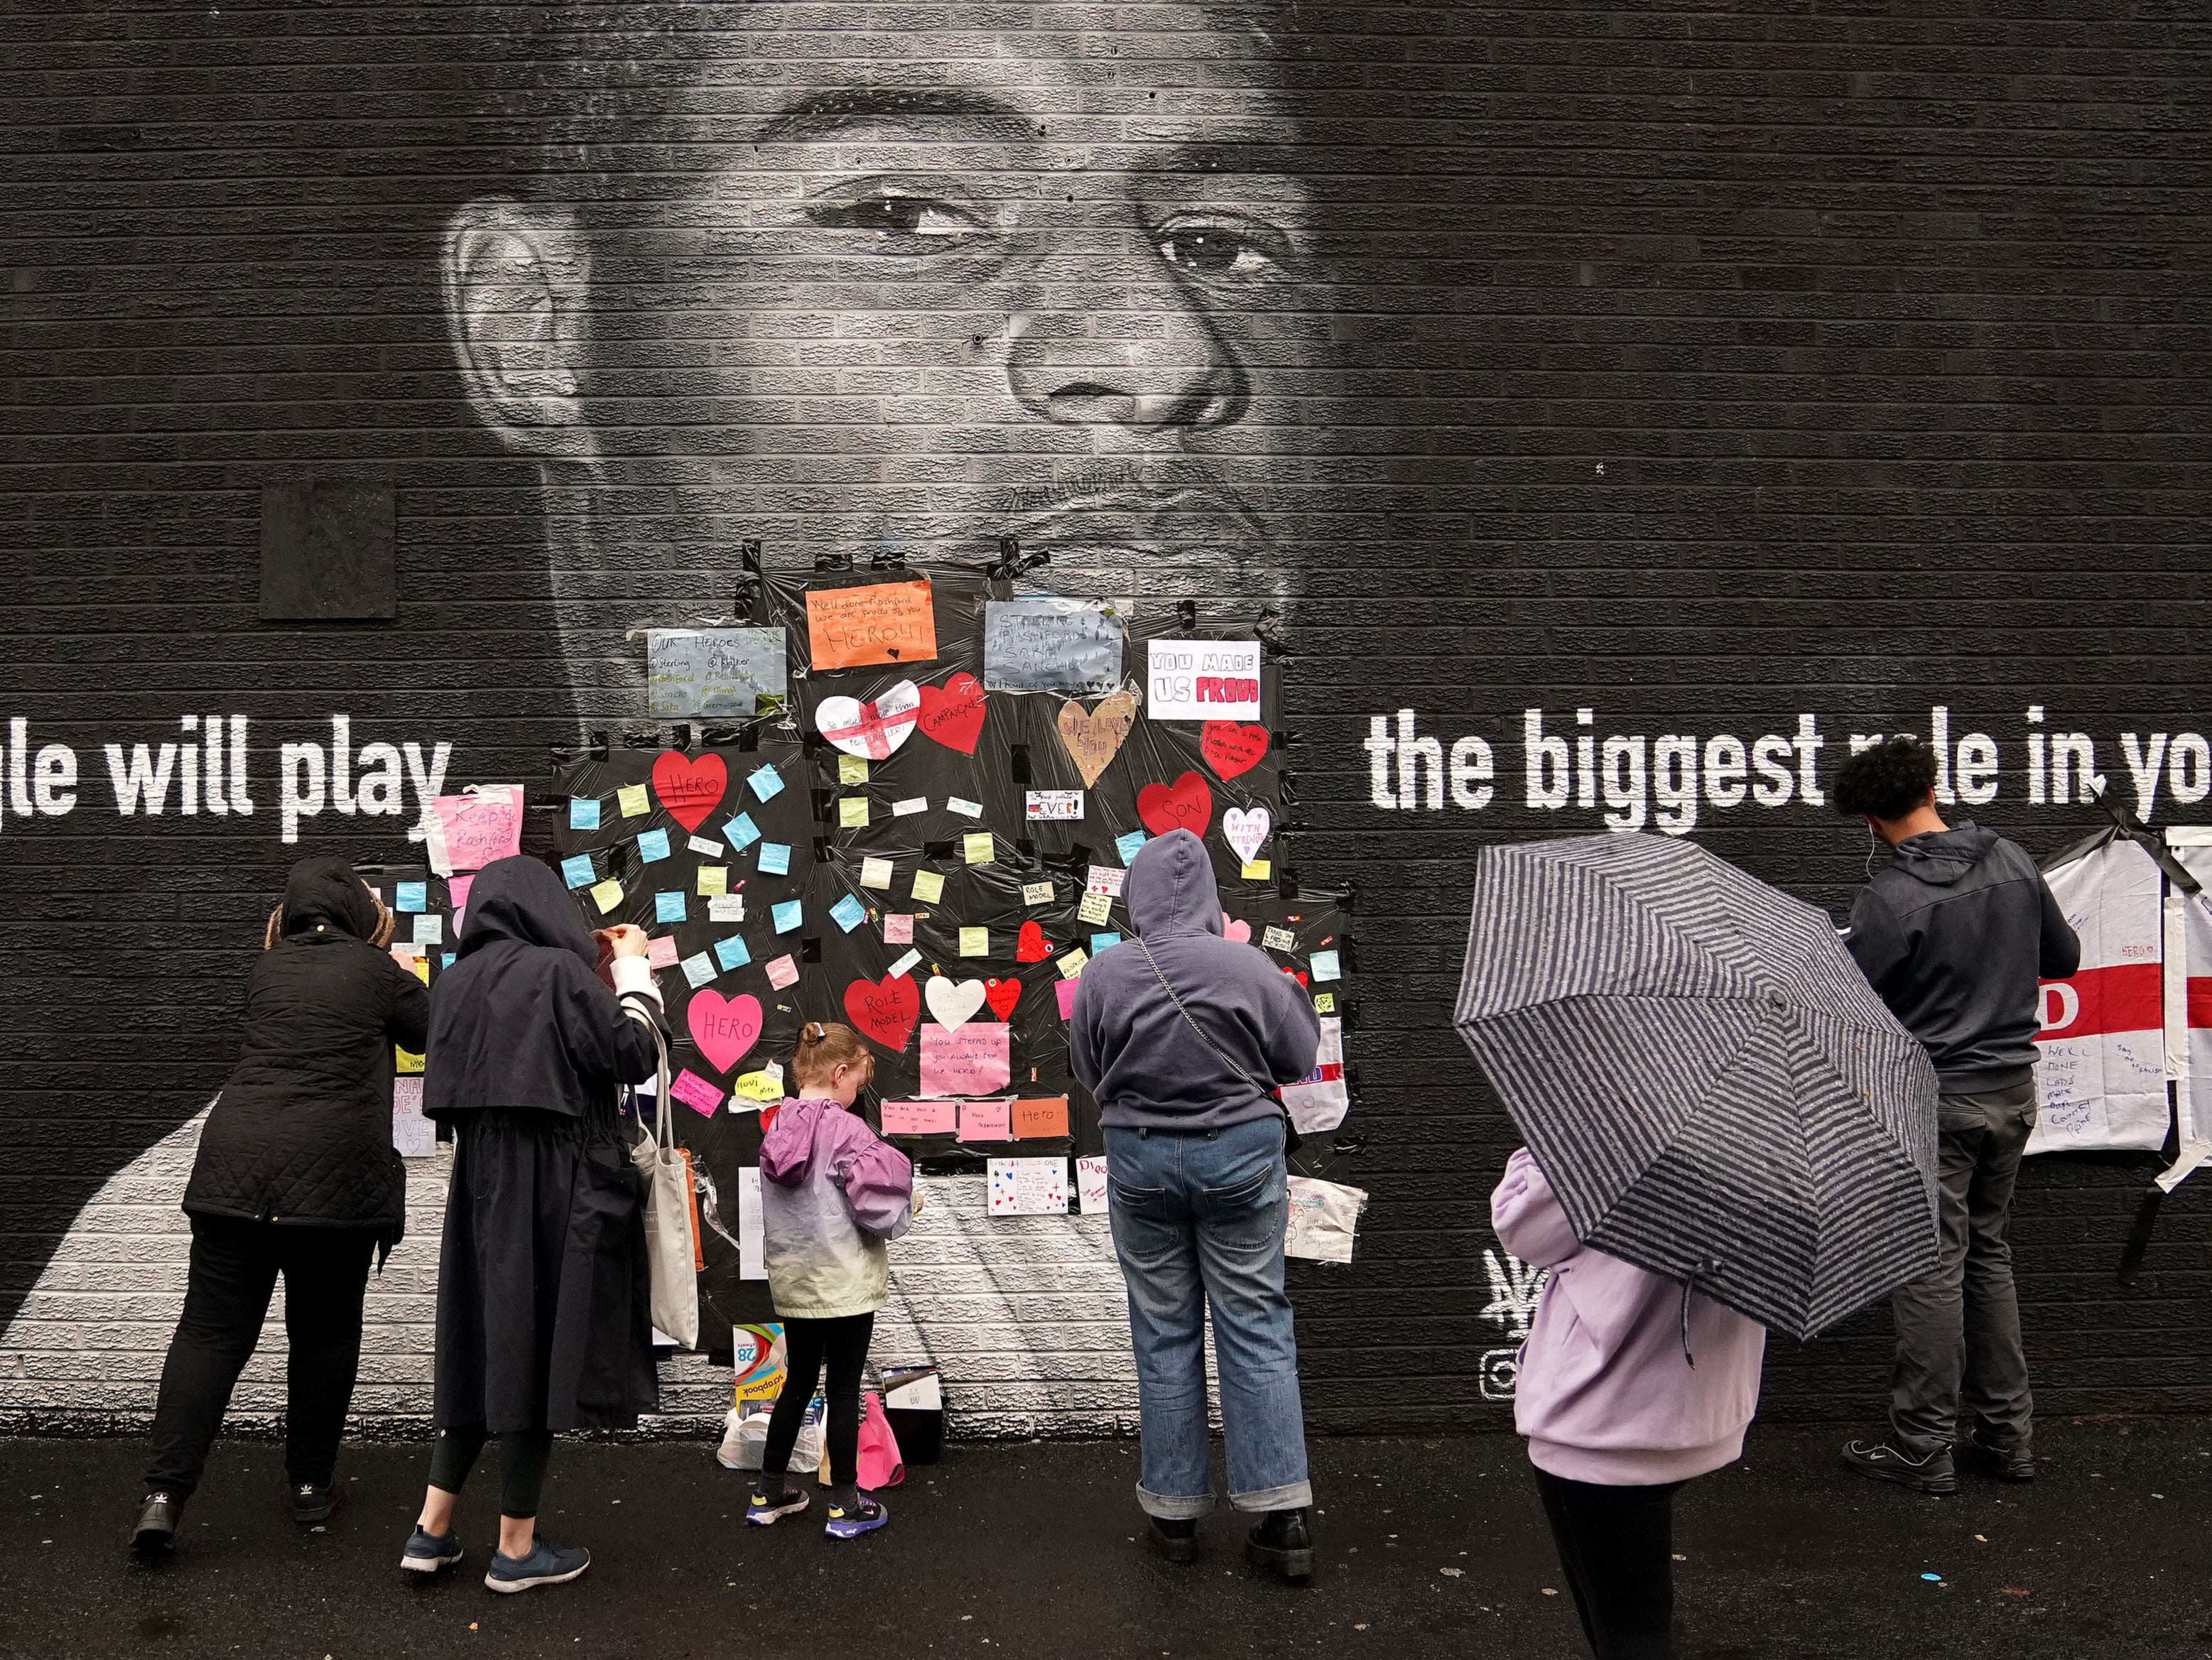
{"points": [[954, 1002], [1246, 832], [871, 730]]}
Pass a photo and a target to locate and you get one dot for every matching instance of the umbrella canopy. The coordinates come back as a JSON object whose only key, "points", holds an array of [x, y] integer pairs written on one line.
{"points": [[1710, 1085]]}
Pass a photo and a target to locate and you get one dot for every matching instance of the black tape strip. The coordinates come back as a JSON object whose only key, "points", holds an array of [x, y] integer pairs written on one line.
{"points": [[2131, 1254]]}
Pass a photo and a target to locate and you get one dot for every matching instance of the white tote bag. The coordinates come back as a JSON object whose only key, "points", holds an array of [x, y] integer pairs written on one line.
{"points": [[670, 1235]]}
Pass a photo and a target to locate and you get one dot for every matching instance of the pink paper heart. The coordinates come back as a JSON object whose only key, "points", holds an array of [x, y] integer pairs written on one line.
{"points": [[724, 1029], [1233, 929]]}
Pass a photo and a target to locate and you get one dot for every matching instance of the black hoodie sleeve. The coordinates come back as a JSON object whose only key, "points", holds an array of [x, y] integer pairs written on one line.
{"points": [[1875, 942], [598, 1030], [408, 1024], [2059, 954]]}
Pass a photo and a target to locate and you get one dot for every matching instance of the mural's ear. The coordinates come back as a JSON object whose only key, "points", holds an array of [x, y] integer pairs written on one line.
{"points": [[514, 278]]}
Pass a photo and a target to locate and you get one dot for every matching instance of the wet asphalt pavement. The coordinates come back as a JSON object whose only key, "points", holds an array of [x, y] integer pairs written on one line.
{"points": [[1427, 1546]]}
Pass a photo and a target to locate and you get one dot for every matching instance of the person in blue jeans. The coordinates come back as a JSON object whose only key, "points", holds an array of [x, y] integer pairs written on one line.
{"points": [[1182, 1036]]}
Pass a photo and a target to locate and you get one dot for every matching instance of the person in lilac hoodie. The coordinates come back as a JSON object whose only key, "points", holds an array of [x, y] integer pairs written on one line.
{"points": [[832, 1194], [1626, 1390]]}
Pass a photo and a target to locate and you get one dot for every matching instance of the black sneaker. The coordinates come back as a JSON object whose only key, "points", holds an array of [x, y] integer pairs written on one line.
{"points": [[2006, 1463], [1282, 1543], [1879, 1460], [431, 1553], [312, 1504], [1176, 1537], [768, 1505], [155, 1533], [546, 1565]]}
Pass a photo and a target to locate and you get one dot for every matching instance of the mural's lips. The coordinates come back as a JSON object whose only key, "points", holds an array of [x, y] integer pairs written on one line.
{"points": [[1145, 521]]}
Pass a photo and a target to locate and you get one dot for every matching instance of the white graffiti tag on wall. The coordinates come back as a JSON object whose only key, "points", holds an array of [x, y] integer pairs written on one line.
{"points": [[1516, 1288]]}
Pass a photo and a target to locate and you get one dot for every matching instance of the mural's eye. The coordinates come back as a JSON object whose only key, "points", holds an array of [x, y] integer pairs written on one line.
{"points": [[903, 222], [1213, 249]]}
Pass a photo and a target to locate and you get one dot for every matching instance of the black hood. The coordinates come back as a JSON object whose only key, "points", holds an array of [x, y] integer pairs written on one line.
{"points": [[326, 893], [521, 899], [1940, 857], [1171, 888]]}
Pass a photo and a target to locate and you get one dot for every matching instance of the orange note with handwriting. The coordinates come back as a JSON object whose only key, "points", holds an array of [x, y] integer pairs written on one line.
{"points": [[880, 622], [1047, 1116]]}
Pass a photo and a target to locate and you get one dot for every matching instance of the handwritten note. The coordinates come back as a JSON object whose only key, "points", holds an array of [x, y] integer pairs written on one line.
{"points": [[468, 832], [782, 973], [1095, 907], [775, 858], [699, 968], [974, 942], [696, 1092], [970, 1059], [607, 894], [714, 880], [849, 913], [910, 805], [1090, 1184], [742, 832], [986, 1120], [1128, 846], [921, 1118], [1053, 807], [1202, 679], [652, 846], [413, 1136], [853, 813], [1040, 643], [875, 872], [1279, 938], [634, 800], [1036, 893], [411, 897], [1047, 1115], [732, 954], [668, 908], [852, 768], [1326, 966], [660, 951], [790, 915], [977, 848], [584, 813], [928, 886], [1028, 1187], [878, 622], [713, 670], [898, 927], [765, 783], [727, 908]]}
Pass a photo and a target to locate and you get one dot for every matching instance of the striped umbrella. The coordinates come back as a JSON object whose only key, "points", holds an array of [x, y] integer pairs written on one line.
{"points": [[1711, 1087]]}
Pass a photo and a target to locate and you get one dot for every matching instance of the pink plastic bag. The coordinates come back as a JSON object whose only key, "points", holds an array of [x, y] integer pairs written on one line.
{"points": [[880, 1465]]}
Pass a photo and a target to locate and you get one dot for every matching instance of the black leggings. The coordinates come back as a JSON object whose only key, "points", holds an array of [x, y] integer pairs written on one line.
{"points": [[1617, 1546], [522, 1457], [807, 1343]]}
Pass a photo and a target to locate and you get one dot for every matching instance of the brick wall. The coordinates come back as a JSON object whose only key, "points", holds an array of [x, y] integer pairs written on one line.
{"points": [[1704, 368]]}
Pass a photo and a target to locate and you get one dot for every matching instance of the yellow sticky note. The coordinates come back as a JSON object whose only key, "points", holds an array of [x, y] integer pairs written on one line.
{"points": [[1095, 907], [974, 942], [1036, 893], [853, 813], [405, 1060], [876, 873], [1258, 870], [633, 800], [928, 886], [713, 881], [852, 768], [1324, 1002], [607, 894], [977, 847], [760, 1085], [1070, 964]]}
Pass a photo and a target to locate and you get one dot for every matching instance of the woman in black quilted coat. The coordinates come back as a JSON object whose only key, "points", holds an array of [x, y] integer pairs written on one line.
{"points": [[296, 1175]]}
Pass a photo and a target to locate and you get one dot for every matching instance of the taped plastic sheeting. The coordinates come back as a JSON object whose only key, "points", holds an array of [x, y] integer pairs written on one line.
{"points": [[2100, 1077]]}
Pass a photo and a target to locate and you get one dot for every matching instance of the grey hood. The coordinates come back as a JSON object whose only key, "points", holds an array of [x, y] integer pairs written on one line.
{"points": [[1171, 888], [1941, 858]]}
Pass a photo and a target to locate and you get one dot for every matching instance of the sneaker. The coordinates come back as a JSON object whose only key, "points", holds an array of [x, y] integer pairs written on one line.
{"points": [[851, 1520], [1282, 1543], [546, 1565], [2006, 1463], [155, 1533], [764, 1507], [311, 1503], [430, 1552], [1176, 1538], [1931, 1473]]}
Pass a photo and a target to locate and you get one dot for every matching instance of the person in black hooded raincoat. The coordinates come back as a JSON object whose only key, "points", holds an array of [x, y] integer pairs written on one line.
{"points": [[295, 1174], [543, 1298]]}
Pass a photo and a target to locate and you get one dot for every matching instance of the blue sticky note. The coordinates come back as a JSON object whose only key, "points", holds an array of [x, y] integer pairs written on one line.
{"points": [[697, 969], [741, 831], [775, 859], [445, 960], [849, 913], [1101, 941], [668, 907], [731, 953], [766, 782], [584, 813], [577, 872], [411, 895], [1127, 846], [652, 846], [788, 916]]}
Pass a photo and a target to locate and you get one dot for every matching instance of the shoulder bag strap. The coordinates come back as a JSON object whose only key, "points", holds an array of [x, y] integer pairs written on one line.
{"points": [[1290, 1130]]}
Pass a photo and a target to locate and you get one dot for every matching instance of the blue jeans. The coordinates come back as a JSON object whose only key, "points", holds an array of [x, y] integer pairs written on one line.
{"points": [[1198, 1222]]}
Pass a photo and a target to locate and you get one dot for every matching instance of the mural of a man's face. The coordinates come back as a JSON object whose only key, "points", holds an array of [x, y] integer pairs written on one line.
{"points": [[835, 288]]}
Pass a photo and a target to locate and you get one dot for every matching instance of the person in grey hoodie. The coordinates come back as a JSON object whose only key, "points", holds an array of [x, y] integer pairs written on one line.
{"points": [[1182, 1036], [1956, 935]]}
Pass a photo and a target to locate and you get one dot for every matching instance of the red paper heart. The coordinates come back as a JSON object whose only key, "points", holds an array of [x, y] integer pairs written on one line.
{"points": [[886, 1010], [1002, 995], [1187, 804], [689, 788], [1230, 749], [952, 714], [1297, 975], [1030, 945]]}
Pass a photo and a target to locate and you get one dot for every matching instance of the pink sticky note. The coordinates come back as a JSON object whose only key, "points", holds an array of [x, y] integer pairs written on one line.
{"points": [[919, 1117], [1065, 990], [965, 1059], [660, 951], [467, 832], [457, 893], [985, 1120], [782, 971], [898, 927], [694, 1091]]}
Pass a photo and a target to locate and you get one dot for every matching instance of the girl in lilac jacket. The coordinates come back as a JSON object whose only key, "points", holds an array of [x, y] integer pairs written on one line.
{"points": [[832, 1194], [1626, 1390]]}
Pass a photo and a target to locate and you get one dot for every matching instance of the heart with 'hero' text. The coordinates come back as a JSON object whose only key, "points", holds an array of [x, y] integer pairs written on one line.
{"points": [[1232, 749], [689, 788], [724, 1029], [1187, 804], [952, 714], [885, 1011]]}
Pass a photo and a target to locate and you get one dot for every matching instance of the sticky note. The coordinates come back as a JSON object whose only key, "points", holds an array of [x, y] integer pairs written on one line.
{"points": [[765, 1085], [1275, 939], [986, 1120], [429, 930], [731, 953], [411, 895], [445, 960], [1325, 966], [1095, 907], [1090, 1184], [910, 806], [1028, 1187], [714, 879], [1104, 942], [652, 846], [1070, 964], [921, 1118], [405, 1060], [1065, 989], [457, 893], [577, 872], [765, 783], [727, 908], [875, 872], [1036, 893], [633, 800], [966, 809], [898, 928], [974, 942], [1258, 870], [668, 908], [873, 623], [852, 768], [742, 831], [849, 913], [1324, 1002], [704, 849], [782, 973], [1047, 1115], [853, 813], [584, 813], [928, 886], [787, 915], [1058, 806], [907, 959], [978, 847], [1127, 846], [775, 858], [607, 894], [660, 951], [699, 968], [695, 1091]]}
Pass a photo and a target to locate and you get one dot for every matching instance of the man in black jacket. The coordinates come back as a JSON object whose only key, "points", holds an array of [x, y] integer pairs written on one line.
{"points": [[1956, 935]]}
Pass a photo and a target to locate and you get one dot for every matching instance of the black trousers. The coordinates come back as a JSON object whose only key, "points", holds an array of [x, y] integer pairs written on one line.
{"points": [[1617, 1547], [234, 1267], [523, 1454], [807, 1344]]}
